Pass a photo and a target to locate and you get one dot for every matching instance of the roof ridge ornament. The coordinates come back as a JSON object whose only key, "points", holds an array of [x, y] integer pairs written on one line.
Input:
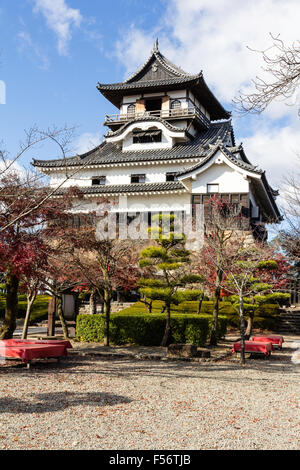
{"points": [[155, 46]]}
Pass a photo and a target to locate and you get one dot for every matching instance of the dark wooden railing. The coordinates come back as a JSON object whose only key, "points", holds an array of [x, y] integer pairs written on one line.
{"points": [[191, 111]]}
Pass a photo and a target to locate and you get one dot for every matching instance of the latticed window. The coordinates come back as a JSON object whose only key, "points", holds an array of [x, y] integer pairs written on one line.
{"points": [[131, 109], [147, 137], [175, 104]]}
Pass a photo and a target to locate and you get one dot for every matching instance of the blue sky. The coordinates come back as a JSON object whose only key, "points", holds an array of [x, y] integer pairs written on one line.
{"points": [[45, 85], [53, 53]]}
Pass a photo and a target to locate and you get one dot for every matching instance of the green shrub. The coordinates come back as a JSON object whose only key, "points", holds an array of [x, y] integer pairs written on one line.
{"points": [[147, 329]]}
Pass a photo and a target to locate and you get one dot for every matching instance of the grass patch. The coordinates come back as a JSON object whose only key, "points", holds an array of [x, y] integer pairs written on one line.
{"points": [[39, 309]]}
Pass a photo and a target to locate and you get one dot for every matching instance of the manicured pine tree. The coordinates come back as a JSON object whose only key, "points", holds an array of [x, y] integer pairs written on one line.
{"points": [[167, 262]]}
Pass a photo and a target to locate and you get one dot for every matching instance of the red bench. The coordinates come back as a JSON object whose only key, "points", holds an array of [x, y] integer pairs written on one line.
{"points": [[27, 350], [16, 342], [254, 347], [276, 340]]}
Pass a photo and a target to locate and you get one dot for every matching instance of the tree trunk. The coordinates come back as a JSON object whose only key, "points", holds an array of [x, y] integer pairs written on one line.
{"points": [[148, 304], [30, 299], [242, 329], [163, 309], [200, 303], [11, 309], [61, 317], [214, 328], [168, 326], [107, 308], [93, 302], [249, 325]]}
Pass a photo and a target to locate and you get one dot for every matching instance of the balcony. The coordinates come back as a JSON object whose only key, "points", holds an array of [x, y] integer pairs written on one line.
{"points": [[190, 112]]}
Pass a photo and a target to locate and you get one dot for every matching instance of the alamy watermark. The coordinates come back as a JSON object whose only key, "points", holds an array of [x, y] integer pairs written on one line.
{"points": [[2, 92], [151, 222]]}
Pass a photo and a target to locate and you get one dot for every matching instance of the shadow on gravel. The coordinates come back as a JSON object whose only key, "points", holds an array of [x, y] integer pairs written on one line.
{"points": [[128, 368], [49, 402]]}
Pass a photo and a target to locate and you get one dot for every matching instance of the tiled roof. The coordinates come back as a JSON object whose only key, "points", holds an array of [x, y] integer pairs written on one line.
{"points": [[229, 155], [148, 83], [130, 188], [170, 76], [167, 64], [108, 153]]}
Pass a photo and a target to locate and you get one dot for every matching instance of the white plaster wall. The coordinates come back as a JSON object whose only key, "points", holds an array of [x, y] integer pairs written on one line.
{"points": [[149, 95], [182, 124], [118, 175], [166, 140], [131, 99], [139, 203], [229, 180], [126, 138], [177, 94]]}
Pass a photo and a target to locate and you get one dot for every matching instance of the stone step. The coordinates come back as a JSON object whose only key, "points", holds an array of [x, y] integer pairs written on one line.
{"points": [[288, 320], [290, 312], [287, 327]]}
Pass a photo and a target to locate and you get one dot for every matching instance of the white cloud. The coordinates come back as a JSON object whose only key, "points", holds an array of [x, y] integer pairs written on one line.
{"points": [[274, 149], [213, 37], [87, 141], [9, 167], [60, 18]]}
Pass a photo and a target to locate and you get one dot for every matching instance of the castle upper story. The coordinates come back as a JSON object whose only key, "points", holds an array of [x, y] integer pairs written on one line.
{"points": [[171, 141], [159, 104]]}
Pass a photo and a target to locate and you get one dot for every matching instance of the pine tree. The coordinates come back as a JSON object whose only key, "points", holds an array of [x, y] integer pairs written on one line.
{"points": [[167, 262]]}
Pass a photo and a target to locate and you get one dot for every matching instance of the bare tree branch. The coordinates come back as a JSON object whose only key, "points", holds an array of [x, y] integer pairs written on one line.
{"points": [[282, 65]]}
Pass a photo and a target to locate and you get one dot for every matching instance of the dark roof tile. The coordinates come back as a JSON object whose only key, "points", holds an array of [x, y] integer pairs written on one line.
{"points": [[108, 153], [130, 188]]}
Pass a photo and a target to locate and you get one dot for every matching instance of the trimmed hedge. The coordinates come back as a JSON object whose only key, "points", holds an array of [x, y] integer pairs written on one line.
{"points": [[265, 317], [148, 329], [191, 307]]}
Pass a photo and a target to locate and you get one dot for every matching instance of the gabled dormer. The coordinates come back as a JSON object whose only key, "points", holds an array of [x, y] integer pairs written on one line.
{"points": [[147, 132], [161, 89]]}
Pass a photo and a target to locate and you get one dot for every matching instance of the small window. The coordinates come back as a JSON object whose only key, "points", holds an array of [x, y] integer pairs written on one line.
{"points": [[131, 109], [138, 178], [175, 104], [171, 176], [212, 188], [98, 180], [146, 137]]}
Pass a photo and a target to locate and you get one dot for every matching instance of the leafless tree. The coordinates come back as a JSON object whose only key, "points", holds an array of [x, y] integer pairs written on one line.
{"points": [[290, 236], [282, 66], [222, 221], [34, 137]]}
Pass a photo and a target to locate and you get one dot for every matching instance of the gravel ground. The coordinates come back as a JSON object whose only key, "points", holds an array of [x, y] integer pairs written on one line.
{"points": [[121, 403]]}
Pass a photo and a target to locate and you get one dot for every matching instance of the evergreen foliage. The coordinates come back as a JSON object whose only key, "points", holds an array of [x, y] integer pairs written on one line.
{"points": [[166, 262]]}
